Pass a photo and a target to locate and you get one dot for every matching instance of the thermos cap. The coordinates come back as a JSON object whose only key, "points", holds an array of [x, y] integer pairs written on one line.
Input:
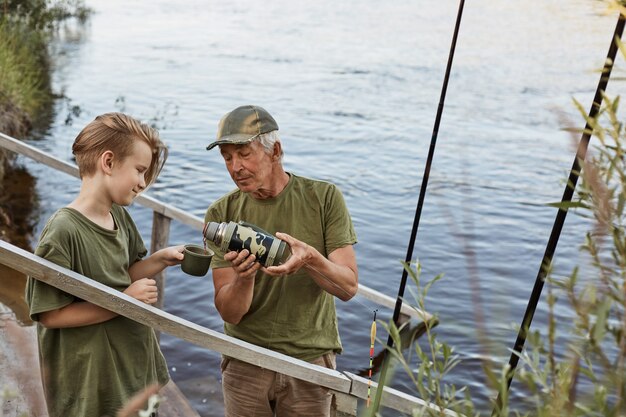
{"points": [[211, 230]]}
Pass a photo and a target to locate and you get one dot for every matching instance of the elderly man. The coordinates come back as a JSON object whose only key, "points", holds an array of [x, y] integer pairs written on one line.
{"points": [[288, 308]]}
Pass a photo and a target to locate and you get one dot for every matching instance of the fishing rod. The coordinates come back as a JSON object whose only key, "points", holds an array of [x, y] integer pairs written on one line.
{"points": [[562, 213], [418, 211]]}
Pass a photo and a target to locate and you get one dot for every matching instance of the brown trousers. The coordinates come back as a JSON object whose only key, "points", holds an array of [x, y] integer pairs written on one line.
{"points": [[251, 391]]}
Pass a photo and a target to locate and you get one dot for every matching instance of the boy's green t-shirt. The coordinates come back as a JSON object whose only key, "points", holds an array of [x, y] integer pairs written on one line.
{"points": [[292, 314], [92, 370]]}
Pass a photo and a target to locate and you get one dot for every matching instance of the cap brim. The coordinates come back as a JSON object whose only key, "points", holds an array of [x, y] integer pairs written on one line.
{"points": [[237, 139]]}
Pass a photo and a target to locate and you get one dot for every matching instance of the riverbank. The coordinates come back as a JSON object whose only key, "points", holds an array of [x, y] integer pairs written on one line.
{"points": [[18, 202], [25, 97], [25, 94], [25, 91]]}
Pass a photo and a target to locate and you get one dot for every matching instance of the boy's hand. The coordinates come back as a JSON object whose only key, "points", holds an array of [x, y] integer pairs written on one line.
{"points": [[156, 262], [144, 290], [172, 255]]}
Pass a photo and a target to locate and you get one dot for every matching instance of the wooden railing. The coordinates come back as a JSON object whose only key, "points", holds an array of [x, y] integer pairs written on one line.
{"points": [[348, 388], [163, 214]]}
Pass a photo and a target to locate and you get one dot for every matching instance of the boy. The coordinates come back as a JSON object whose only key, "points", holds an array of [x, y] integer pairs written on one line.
{"points": [[92, 359]]}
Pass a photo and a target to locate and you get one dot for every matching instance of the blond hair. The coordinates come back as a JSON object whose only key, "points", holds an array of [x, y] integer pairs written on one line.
{"points": [[117, 132]]}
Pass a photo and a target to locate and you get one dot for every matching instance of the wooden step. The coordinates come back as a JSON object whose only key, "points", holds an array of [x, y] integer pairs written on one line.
{"points": [[21, 392]]}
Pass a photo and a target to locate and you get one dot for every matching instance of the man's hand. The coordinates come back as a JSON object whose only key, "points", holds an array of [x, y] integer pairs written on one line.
{"points": [[337, 274], [301, 253], [243, 263]]}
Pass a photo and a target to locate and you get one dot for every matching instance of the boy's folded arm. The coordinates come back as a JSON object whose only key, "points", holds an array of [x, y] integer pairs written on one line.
{"points": [[76, 314], [156, 262]]}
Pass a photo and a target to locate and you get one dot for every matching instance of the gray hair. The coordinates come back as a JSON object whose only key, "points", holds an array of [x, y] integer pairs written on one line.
{"points": [[268, 140]]}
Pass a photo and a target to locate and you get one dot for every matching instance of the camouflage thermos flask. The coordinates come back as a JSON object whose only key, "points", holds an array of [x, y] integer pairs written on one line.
{"points": [[231, 236]]}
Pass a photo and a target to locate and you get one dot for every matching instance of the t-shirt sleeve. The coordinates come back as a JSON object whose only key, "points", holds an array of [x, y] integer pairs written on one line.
{"points": [[339, 230], [42, 297], [214, 214]]}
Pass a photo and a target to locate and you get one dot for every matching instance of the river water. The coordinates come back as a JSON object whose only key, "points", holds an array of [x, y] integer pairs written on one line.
{"points": [[354, 86]]}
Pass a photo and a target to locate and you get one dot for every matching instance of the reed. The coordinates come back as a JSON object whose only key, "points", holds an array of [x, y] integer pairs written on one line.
{"points": [[576, 364], [24, 76], [25, 31]]}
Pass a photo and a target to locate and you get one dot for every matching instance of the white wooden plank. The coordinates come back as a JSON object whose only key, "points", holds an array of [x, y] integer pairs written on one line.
{"points": [[387, 301], [175, 404], [392, 398], [344, 405], [45, 158]]}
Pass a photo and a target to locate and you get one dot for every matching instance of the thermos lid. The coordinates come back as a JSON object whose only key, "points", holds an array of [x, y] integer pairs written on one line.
{"points": [[211, 230]]}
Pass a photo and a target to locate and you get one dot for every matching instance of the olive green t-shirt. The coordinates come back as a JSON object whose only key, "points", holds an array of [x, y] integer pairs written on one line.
{"points": [[92, 370], [291, 314]]}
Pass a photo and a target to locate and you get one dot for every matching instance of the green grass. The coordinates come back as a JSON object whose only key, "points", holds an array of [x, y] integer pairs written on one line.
{"points": [[25, 30], [24, 69]]}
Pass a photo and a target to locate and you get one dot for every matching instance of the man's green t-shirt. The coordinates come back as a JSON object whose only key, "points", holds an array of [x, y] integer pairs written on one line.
{"points": [[92, 370], [291, 314]]}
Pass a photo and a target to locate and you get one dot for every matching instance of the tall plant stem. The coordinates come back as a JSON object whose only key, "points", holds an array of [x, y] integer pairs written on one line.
{"points": [[546, 261]]}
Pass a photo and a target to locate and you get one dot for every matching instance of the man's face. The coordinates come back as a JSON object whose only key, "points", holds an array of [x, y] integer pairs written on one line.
{"points": [[249, 166]]}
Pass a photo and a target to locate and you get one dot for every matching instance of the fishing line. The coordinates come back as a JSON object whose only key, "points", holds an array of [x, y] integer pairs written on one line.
{"points": [[220, 235], [562, 213], [372, 328], [418, 210], [368, 308], [369, 374], [372, 331]]}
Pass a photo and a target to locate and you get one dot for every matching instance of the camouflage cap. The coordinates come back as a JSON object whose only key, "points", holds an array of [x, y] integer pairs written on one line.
{"points": [[242, 125]]}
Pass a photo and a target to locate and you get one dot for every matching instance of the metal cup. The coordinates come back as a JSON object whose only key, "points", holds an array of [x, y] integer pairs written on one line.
{"points": [[197, 260]]}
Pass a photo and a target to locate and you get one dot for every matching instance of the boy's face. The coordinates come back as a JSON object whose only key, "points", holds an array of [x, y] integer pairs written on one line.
{"points": [[128, 175]]}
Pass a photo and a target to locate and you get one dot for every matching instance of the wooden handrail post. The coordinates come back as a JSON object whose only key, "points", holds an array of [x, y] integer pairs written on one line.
{"points": [[159, 240], [344, 405]]}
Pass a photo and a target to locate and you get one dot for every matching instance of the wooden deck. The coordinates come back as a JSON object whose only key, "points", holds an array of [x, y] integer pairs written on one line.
{"points": [[175, 403], [20, 384], [21, 393]]}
